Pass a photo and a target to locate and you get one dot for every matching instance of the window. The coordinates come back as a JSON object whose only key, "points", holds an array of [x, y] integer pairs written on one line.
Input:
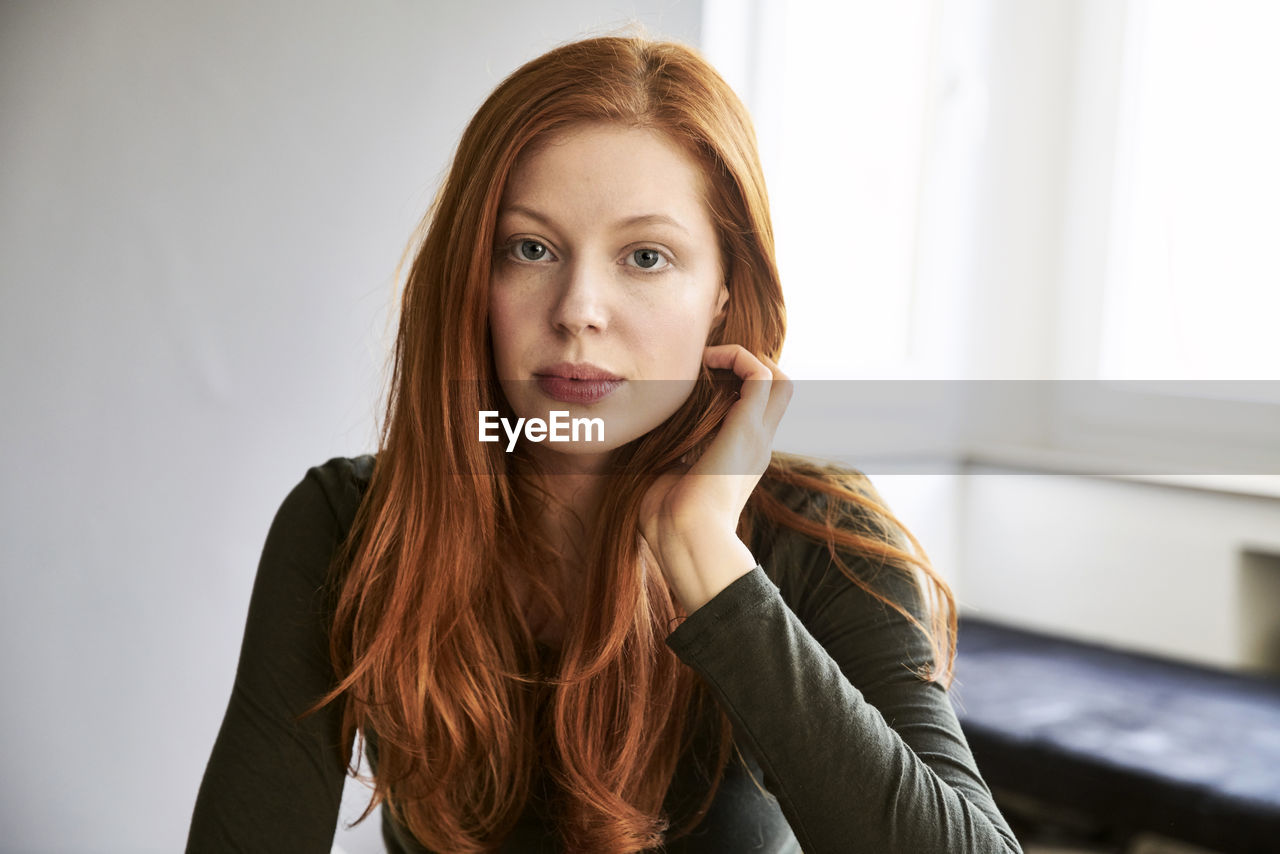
{"points": [[993, 190], [839, 92], [1193, 290]]}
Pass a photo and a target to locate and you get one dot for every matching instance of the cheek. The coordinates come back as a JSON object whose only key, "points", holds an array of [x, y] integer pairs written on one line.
{"points": [[502, 328], [515, 303], [497, 319], [677, 338]]}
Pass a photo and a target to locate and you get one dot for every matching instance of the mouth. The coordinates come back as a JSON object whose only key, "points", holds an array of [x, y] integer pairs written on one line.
{"points": [[581, 383], [583, 371]]}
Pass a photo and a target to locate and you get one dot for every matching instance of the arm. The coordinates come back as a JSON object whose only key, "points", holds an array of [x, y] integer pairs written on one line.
{"points": [[272, 784], [861, 754]]}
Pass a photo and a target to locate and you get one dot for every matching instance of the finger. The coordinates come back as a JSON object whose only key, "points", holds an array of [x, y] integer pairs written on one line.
{"points": [[768, 401], [757, 377], [780, 392], [736, 358], [748, 446]]}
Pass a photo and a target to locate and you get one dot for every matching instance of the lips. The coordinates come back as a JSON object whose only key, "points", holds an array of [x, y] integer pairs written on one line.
{"points": [[576, 383], [575, 371]]}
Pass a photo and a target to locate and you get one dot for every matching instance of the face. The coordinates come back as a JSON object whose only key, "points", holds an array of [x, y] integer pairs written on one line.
{"points": [[606, 265]]}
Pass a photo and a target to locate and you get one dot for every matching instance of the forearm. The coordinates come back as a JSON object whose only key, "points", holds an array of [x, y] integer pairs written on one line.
{"points": [[844, 778]]}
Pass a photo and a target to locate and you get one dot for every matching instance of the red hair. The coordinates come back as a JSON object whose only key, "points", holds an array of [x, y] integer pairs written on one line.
{"points": [[430, 646]]}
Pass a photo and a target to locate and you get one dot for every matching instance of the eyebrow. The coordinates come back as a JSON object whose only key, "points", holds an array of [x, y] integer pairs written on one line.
{"points": [[639, 219]]}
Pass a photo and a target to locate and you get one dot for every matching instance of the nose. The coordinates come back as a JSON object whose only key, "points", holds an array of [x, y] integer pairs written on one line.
{"points": [[582, 304]]}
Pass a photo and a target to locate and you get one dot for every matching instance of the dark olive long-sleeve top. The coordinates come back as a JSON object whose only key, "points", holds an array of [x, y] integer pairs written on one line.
{"points": [[856, 753]]}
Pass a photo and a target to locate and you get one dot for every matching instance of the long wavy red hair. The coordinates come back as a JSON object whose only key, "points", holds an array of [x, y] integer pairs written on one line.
{"points": [[436, 664]]}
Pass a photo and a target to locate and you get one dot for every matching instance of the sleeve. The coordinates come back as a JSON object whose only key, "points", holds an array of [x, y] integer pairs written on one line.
{"points": [[861, 753], [272, 784]]}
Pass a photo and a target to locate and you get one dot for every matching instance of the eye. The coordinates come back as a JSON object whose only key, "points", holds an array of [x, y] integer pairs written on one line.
{"points": [[531, 250], [648, 259]]}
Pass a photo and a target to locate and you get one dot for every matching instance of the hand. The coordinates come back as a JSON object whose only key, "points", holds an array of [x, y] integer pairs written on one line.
{"points": [[688, 520]]}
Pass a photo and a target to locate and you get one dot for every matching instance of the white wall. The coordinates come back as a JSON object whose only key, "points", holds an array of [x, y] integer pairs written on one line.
{"points": [[1189, 573], [201, 209]]}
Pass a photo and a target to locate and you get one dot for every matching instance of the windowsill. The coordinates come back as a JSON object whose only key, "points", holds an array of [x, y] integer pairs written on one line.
{"points": [[1046, 461], [1029, 460]]}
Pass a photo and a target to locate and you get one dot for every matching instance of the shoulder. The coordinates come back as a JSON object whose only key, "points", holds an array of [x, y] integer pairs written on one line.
{"points": [[843, 566], [340, 483], [330, 493], [833, 539], [317, 514], [823, 497], [808, 482]]}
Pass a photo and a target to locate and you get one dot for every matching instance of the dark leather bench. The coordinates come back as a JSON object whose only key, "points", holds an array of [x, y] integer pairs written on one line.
{"points": [[1124, 743]]}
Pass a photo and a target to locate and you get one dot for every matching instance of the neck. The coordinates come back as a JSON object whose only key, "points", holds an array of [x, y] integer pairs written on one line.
{"points": [[576, 483], [570, 517]]}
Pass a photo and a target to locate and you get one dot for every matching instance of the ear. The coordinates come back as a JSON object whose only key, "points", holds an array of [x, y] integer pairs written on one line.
{"points": [[721, 300]]}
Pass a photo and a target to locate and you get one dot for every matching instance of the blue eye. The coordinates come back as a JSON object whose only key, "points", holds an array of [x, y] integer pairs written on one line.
{"points": [[649, 259], [531, 250]]}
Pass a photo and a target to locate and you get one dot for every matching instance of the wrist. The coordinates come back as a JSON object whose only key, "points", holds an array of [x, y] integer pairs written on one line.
{"points": [[701, 565]]}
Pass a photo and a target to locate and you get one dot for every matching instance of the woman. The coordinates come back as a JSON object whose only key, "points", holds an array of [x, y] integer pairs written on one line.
{"points": [[654, 633]]}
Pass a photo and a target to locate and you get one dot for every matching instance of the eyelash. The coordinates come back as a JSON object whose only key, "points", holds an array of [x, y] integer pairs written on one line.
{"points": [[512, 248]]}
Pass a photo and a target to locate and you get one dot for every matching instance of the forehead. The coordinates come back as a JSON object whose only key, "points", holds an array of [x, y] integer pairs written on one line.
{"points": [[589, 168]]}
